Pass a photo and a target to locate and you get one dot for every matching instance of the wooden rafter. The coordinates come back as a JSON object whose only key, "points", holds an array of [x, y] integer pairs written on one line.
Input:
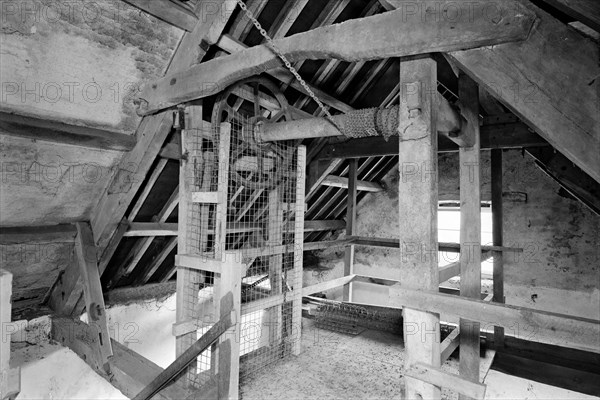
{"points": [[550, 93], [586, 11], [579, 184]]}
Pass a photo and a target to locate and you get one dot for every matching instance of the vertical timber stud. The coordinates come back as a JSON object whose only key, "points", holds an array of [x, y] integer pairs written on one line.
{"points": [[275, 232], [221, 208], [350, 225], [497, 237], [418, 203], [229, 344], [470, 225], [187, 277], [227, 284], [298, 250], [85, 249], [10, 379]]}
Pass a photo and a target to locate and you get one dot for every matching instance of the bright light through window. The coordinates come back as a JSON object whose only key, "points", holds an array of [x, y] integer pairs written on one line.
{"points": [[449, 231]]}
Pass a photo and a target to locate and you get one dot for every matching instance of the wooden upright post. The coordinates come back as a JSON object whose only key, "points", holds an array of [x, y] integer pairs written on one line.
{"points": [[418, 204], [10, 379], [275, 232], [497, 237], [85, 249], [470, 226], [229, 344], [188, 280], [350, 225], [298, 250]]}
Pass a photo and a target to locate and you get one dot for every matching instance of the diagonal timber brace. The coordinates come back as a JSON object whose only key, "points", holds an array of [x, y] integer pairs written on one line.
{"points": [[440, 26]]}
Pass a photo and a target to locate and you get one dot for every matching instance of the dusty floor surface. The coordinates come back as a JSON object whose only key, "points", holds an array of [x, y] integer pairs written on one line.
{"points": [[370, 366], [336, 366]]}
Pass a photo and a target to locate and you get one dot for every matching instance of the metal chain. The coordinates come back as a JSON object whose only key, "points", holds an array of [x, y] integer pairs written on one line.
{"points": [[287, 64]]}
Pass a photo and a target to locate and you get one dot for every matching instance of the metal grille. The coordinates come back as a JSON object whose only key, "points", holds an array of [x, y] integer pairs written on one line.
{"points": [[259, 213]]}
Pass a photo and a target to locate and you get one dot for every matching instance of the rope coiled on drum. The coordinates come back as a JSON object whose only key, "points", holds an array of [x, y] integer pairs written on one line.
{"points": [[371, 122]]}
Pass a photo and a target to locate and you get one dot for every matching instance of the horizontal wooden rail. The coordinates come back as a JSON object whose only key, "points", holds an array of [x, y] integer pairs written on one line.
{"points": [[452, 270], [203, 263], [144, 229], [361, 186], [322, 286], [443, 246], [310, 246], [546, 327], [205, 197]]}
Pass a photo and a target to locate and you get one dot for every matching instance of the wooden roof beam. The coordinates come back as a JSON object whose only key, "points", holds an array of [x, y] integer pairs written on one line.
{"points": [[37, 234], [172, 12], [346, 41], [31, 127], [579, 184], [558, 98], [504, 136], [231, 45], [586, 11]]}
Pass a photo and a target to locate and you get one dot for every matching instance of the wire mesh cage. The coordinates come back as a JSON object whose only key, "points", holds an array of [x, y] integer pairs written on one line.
{"points": [[257, 195]]}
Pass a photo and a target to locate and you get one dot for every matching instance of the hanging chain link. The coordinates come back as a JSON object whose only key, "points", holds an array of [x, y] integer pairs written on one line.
{"points": [[287, 64]]}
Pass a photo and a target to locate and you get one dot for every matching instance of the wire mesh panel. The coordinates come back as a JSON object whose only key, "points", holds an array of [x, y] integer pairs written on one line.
{"points": [[242, 197], [196, 308], [261, 226]]}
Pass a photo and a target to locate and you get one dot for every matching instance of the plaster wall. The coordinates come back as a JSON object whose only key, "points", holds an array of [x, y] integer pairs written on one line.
{"points": [[80, 62], [558, 270]]}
